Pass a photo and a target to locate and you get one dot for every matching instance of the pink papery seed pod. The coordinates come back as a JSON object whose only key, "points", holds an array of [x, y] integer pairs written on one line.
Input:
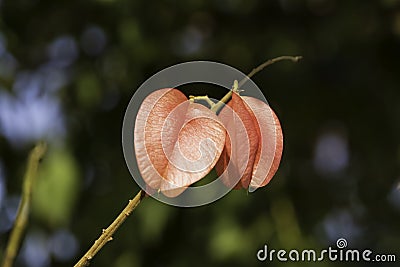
{"points": [[177, 142], [263, 134]]}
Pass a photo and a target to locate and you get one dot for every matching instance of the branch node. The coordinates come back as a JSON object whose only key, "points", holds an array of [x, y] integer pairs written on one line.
{"points": [[107, 233]]}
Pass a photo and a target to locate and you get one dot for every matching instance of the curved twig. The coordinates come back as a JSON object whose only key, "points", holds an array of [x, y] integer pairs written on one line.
{"points": [[21, 220]]}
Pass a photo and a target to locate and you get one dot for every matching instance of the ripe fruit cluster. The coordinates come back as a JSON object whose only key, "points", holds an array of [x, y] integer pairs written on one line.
{"points": [[177, 142]]}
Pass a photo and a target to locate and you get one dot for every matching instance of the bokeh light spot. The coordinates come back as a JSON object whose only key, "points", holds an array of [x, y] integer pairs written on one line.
{"points": [[331, 154]]}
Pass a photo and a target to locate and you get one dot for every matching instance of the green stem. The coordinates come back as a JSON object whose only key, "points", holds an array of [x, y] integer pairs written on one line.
{"points": [[267, 63], [236, 86], [21, 220], [205, 98]]}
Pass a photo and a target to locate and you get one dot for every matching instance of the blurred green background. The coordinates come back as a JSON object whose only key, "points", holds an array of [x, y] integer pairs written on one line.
{"points": [[69, 68]]}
